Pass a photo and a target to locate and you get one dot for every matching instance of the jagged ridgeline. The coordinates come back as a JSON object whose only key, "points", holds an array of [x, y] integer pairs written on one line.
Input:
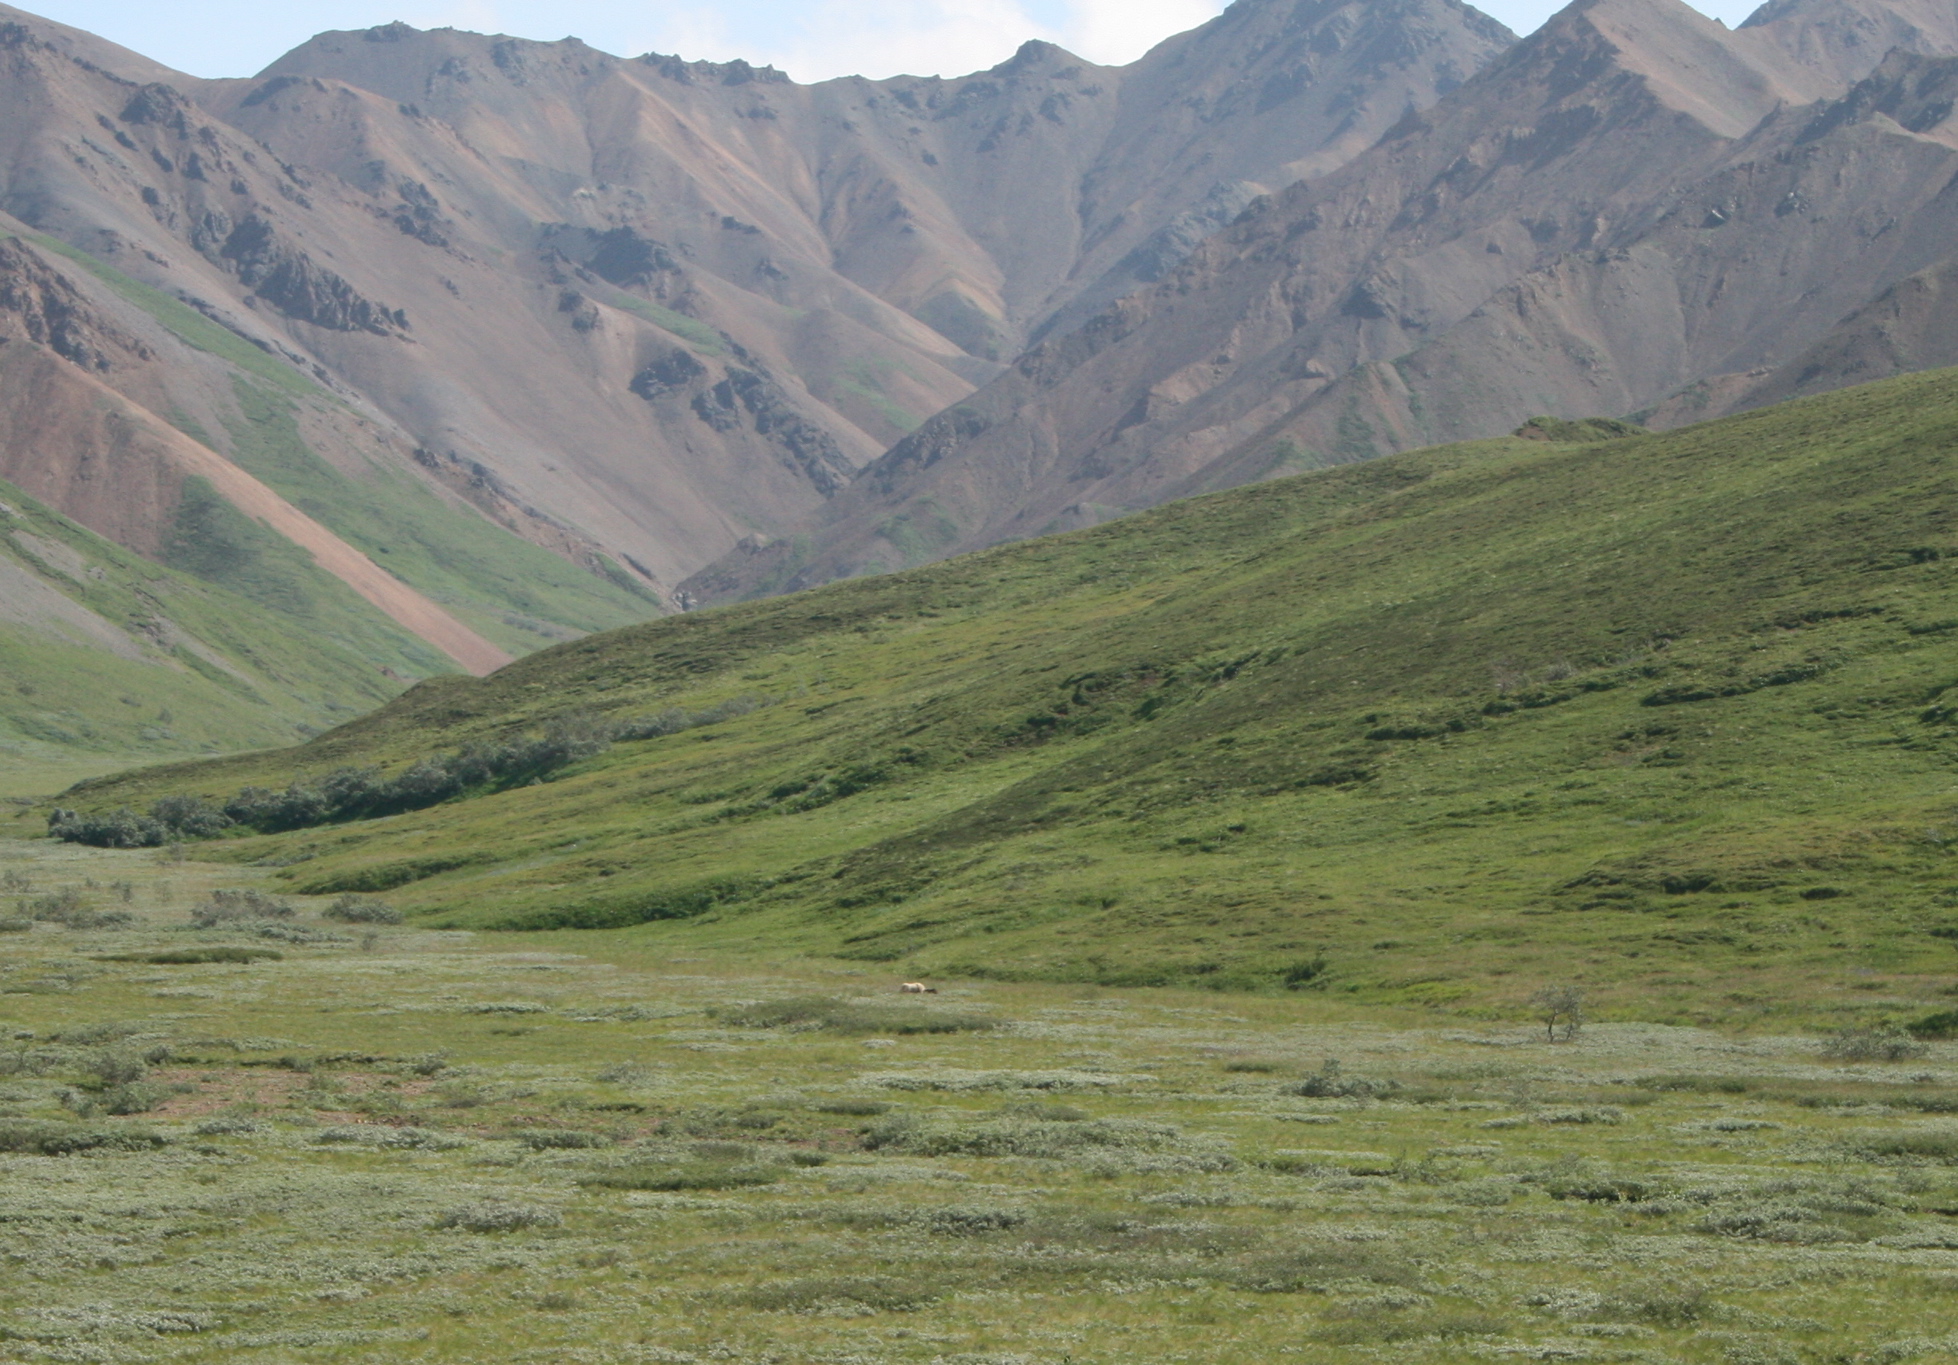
{"points": [[1668, 710]]}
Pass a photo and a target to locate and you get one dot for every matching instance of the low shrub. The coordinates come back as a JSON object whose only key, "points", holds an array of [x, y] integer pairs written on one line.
{"points": [[55, 1139], [1605, 1189], [1931, 1144], [969, 1220], [1318, 1265], [1701, 1085], [499, 1217], [875, 1293], [1365, 1324], [694, 1175], [852, 1108], [239, 907], [68, 907], [844, 1016], [1876, 1043], [1331, 1081], [1944, 1024], [362, 793], [383, 1136], [353, 909], [198, 957], [560, 1139], [1013, 1134], [1791, 1224], [230, 1125]]}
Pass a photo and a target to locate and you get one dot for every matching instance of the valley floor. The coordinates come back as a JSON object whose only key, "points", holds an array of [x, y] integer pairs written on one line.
{"points": [[396, 1144]]}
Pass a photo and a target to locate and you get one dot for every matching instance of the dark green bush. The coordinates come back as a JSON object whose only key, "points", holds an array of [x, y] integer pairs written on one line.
{"points": [[60, 1139], [1941, 1025], [363, 794], [560, 1139], [193, 957]]}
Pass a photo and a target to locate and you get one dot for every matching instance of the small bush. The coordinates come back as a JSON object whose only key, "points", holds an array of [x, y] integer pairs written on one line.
{"points": [[1309, 1267], [68, 907], [970, 1220], [51, 1139], [1702, 1085], [1363, 1325], [1663, 1306], [137, 1097], [296, 934], [15, 926], [1936, 1145], [1941, 1025], [239, 907], [1014, 1135], [499, 1217], [1561, 1008], [1793, 1225], [198, 957], [229, 1125], [1877, 1043], [1331, 1081], [381, 1136], [352, 909], [561, 1139], [874, 1293], [695, 1175], [115, 1068], [843, 1016], [852, 1108]]}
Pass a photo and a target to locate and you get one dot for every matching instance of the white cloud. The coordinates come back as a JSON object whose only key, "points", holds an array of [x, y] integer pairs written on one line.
{"points": [[857, 37], [1114, 32]]}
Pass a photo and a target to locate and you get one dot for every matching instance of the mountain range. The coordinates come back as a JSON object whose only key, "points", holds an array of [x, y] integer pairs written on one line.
{"points": [[444, 347]]}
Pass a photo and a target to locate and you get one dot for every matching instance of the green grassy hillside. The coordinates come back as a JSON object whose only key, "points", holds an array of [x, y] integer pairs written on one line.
{"points": [[1668, 715], [105, 653]]}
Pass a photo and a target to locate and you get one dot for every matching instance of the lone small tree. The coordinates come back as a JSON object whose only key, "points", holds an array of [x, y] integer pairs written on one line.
{"points": [[1562, 1010]]}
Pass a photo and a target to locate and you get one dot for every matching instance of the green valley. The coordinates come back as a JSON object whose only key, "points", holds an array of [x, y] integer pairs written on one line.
{"points": [[1667, 715]]}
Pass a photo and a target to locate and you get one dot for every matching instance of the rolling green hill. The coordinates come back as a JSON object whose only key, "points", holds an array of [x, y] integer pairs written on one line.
{"points": [[1672, 715]]}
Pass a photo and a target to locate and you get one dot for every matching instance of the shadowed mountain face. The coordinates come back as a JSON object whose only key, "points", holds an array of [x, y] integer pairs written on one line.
{"points": [[1635, 211], [632, 311]]}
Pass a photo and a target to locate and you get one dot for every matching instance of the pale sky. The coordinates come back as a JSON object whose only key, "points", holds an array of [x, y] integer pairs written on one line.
{"points": [[810, 39]]}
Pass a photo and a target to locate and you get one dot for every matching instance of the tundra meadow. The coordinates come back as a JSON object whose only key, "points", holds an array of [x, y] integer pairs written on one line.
{"points": [[247, 1126]]}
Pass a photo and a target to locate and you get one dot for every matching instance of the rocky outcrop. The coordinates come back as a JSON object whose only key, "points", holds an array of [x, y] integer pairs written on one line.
{"points": [[43, 306], [292, 282]]}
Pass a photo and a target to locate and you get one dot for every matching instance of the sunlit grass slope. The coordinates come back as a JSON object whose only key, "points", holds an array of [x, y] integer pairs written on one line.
{"points": [[1667, 714], [104, 653]]}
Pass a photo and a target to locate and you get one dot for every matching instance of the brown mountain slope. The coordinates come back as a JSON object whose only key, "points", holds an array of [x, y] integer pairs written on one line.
{"points": [[1631, 201], [636, 310]]}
